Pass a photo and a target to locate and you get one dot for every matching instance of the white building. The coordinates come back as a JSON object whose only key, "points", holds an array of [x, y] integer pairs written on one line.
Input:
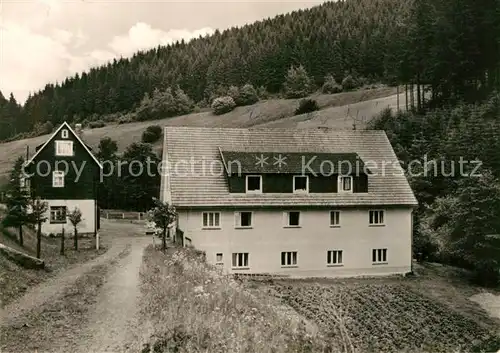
{"points": [[303, 203]]}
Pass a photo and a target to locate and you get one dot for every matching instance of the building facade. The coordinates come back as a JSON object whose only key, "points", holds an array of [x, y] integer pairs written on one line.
{"points": [[304, 203], [64, 173]]}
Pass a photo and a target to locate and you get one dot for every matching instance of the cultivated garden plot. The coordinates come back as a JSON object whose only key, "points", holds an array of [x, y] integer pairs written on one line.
{"points": [[386, 317]]}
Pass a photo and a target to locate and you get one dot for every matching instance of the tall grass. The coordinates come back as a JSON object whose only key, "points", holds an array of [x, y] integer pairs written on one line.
{"points": [[190, 307]]}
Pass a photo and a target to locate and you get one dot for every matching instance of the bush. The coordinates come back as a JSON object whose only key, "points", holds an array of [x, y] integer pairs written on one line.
{"points": [[152, 134], [223, 105], [348, 83], [247, 95], [307, 106], [96, 124], [297, 83], [331, 86], [164, 104]]}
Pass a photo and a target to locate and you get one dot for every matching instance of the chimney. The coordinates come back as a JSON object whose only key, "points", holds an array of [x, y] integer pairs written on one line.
{"points": [[79, 130]]}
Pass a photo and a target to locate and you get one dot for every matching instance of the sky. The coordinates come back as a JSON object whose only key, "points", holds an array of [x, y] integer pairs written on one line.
{"points": [[43, 41]]}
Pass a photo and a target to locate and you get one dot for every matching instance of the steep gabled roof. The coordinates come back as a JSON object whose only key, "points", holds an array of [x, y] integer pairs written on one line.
{"points": [[190, 153], [67, 126]]}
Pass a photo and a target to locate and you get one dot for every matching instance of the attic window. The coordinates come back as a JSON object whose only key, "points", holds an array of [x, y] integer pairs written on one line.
{"points": [[300, 183], [345, 184], [254, 183], [64, 148], [64, 134]]}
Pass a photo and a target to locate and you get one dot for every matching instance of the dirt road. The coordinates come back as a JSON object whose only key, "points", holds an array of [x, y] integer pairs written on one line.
{"points": [[90, 308]]}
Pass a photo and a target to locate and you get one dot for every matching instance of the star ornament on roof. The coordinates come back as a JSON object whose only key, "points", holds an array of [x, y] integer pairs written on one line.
{"points": [[280, 160], [261, 161]]}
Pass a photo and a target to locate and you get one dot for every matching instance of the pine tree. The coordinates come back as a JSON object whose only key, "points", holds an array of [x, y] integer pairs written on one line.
{"points": [[17, 199]]}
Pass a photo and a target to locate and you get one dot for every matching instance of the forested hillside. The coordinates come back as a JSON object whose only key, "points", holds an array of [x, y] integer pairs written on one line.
{"points": [[355, 36]]}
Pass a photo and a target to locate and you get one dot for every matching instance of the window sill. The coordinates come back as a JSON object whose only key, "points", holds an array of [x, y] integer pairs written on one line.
{"points": [[379, 263], [241, 227], [240, 268], [58, 186], [253, 192], [289, 266], [292, 226], [334, 226], [335, 265], [211, 228], [376, 225], [301, 192]]}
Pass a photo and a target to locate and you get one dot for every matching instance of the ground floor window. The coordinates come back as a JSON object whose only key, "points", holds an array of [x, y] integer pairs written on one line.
{"points": [[219, 258], [334, 257], [379, 256], [240, 260], [289, 258], [58, 214]]}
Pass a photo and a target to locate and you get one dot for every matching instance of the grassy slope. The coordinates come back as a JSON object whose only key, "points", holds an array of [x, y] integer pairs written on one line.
{"points": [[264, 113], [430, 312], [14, 280]]}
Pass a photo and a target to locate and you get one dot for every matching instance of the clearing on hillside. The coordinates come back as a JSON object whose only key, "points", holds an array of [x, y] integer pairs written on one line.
{"points": [[253, 115]]}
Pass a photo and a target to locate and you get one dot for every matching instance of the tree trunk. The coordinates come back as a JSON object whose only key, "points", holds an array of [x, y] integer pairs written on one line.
{"points": [[39, 240], [406, 96], [62, 242], [75, 239], [21, 240], [164, 240], [419, 99]]}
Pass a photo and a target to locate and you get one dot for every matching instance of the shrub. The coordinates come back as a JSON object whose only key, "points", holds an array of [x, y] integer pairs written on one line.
{"points": [[247, 95], [96, 124], [223, 105], [297, 83], [124, 120], [307, 106], [348, 83], [164, 104], [152, 134], [331, 86]]}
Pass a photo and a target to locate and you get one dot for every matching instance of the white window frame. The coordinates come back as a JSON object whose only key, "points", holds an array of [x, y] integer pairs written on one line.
{"points": [[301, 191], [253, 191], [286, 220], [237, 220], [64, 133], [335, 225], [208, 226], [289, 259], [51, 211], [341, 184], [379, 224], [334, 254], [240, 261], [69, 143], [379, 256], [221, 261], [58, 179]]}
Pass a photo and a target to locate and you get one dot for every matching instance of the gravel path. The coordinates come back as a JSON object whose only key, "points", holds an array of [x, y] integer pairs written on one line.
{"points": [[112, 326], [106, 324]]}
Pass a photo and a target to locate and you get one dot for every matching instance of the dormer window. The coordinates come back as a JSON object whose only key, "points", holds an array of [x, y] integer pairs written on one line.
{"points": [[64, 134], [300, 184], [254, 184], [345, 184], [64, 148]]}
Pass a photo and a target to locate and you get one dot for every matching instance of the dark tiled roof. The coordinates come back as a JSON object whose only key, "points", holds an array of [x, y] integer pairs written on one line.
{"points": [[238, 162], [198, 184]]}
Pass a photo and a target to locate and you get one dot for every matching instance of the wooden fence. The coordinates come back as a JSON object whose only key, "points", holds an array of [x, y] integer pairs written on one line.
{"points": [[127, 215]]}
